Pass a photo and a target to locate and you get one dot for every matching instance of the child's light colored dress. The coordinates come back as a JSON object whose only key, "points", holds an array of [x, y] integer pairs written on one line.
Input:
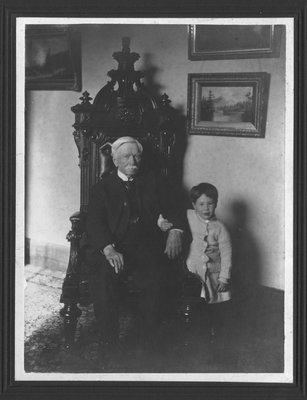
{"points": [[210, 256]]}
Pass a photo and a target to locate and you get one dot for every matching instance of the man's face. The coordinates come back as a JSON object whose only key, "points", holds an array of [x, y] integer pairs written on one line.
{"points": [[128, 159]]}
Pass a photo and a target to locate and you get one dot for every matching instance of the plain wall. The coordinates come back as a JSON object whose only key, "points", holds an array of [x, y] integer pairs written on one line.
{"points": [[248, 172]]}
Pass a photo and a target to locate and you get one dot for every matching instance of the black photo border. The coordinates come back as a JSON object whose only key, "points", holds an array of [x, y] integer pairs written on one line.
{"points": [[12, 389]]}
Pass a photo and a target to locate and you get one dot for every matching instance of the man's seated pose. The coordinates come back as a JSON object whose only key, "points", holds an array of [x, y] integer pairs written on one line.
{"points": [[124, 236]]}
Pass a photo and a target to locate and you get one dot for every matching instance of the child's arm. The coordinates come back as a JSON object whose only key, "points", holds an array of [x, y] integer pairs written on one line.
{"points": [[226, 259]]}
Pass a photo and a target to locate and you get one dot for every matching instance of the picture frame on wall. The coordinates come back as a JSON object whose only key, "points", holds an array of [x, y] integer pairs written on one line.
{"points": [[228, 104], [53, 58], [209, 42]]}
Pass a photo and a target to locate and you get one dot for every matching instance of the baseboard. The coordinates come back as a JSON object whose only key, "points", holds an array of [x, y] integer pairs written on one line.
{"points": [[47, 255]]}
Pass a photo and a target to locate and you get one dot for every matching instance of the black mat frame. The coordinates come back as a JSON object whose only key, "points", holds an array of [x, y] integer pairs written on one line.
{"points": [[10, 10]]}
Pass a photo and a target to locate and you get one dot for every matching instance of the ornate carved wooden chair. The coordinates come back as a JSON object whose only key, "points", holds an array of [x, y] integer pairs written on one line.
{"points": [[122, 107]]}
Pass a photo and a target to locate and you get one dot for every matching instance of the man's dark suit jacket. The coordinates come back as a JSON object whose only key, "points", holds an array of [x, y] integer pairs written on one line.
{"points": [[108, 209]]}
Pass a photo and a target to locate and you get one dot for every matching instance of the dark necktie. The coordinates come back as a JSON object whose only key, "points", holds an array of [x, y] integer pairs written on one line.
{"points": [[133, 200], [130, 184]]}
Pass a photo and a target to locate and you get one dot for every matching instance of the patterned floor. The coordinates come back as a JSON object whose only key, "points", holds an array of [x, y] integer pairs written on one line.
{"points": [[254, 342]]}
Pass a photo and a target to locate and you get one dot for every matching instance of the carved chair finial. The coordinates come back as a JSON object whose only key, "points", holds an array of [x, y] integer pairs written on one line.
{"points": [[126, 44], [86, 98], [125, 75], [125, 58], [165, 100]]}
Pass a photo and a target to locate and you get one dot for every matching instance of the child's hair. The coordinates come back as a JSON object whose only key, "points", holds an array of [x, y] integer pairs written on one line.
{"points": [[204, 188]]}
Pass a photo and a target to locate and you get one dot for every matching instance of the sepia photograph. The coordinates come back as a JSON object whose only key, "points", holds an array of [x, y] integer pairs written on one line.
{"points": [[154, 233]]}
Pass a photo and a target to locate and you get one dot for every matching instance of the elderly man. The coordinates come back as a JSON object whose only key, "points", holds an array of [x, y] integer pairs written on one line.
{"points": [[125, 236]]}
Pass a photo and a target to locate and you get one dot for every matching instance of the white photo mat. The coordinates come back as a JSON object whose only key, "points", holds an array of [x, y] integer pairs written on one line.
{"points": [[20, 374]]}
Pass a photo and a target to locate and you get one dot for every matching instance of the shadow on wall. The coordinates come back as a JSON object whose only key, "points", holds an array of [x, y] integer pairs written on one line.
{"points": [[151, 71], [257, 310], [250, 299], [176, 162], [246, 254]]}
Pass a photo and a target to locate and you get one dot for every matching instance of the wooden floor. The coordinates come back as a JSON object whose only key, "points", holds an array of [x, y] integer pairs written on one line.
{"points": [[252, 340]]}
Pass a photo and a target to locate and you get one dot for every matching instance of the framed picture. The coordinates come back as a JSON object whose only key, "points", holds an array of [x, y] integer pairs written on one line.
{"points": [[209, 42], [52, 58], [228, 104]]}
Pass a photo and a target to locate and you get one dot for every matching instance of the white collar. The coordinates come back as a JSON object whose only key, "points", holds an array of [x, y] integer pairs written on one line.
{"points": [[122, 176]]}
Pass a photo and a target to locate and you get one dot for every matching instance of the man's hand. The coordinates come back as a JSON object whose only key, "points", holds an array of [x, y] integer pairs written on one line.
{"points": [[165, 225], [173, 244], [115, 258]]}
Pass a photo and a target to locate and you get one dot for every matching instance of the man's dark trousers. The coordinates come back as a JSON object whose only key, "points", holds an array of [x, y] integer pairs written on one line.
{"points": [[145, 262]]}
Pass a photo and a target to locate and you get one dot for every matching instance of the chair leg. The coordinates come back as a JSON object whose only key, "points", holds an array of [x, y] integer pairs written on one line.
{"points": [[185, 323], [70, 313]]}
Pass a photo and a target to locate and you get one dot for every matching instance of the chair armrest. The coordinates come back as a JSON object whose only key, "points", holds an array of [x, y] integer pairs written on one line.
{"points": [[70, 289]]}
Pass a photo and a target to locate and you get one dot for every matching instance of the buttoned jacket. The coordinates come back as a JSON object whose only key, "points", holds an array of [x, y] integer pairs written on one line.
{"points": [[109, 211]]}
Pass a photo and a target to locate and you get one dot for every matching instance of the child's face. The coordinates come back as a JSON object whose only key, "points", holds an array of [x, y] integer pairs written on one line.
{"points": [[205, 207]]}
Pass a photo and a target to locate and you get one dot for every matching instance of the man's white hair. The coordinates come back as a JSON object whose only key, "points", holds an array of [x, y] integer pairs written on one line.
{"points": [[122, 140]]}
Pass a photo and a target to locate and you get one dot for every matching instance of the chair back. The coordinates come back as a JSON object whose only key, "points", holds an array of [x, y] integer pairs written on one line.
{"points": [[123, 107]]}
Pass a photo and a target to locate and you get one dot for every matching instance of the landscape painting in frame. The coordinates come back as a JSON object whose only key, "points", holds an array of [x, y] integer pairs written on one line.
{"points": [[53, 58], [228, 104], [233, 41]]}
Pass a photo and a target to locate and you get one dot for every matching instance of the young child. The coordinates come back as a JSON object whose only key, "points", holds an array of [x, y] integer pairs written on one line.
{"points": [[210, 253]]}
